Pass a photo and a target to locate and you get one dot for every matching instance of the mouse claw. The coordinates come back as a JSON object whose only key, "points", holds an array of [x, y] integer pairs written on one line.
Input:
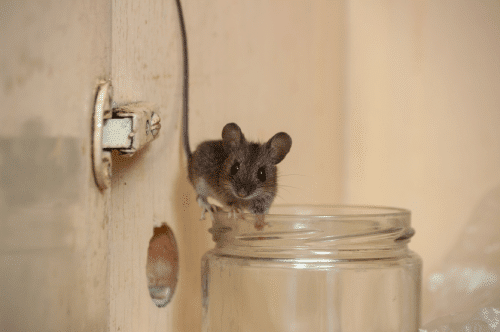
{"points": [[260, 222], [207, 207], [235, 213], [209, 213], [213, 208], [210, 209]]}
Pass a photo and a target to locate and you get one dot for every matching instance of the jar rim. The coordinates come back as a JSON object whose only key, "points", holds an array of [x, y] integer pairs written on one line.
{"points": [[336, 231], [340, 211]]}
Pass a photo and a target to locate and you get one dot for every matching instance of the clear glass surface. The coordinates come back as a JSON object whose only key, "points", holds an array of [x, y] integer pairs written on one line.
{"points": [[313, 268]]}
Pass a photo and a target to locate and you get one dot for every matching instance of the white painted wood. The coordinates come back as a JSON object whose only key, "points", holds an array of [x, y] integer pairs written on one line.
{"points": [[54, 221], [146, 66]]}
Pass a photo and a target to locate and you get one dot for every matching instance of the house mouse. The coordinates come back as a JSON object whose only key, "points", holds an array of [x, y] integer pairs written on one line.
{"points": [[238, 173]]}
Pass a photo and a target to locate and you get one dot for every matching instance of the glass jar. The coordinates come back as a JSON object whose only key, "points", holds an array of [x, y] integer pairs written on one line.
{"points": [[312, 268]]}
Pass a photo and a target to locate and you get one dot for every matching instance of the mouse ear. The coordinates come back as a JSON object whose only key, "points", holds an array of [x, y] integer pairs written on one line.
{"points": [[232, 136], [278, 147]]}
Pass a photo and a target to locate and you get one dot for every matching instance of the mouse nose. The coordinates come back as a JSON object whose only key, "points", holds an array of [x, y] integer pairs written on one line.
{"points": [[244, 190]]}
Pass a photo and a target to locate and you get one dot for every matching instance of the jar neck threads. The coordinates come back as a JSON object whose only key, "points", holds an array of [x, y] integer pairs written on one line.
{"points": [[318, 232]]}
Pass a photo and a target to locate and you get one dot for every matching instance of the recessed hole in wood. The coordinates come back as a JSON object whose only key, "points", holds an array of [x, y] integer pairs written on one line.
{"points": [[162, 266]]}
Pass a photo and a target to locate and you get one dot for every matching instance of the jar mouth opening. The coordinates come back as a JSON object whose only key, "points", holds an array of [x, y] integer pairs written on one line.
{"points": [[336, 230], [334, 211]]}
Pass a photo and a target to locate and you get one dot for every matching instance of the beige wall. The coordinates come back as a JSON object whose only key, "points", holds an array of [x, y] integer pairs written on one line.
{"points": [[423, 112], [387, 102], [273, 66], [395, 101]]}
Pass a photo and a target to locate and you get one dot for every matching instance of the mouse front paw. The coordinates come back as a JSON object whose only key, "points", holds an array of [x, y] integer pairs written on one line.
{"points": [[207, 207], [260, 222], [235, 212]]}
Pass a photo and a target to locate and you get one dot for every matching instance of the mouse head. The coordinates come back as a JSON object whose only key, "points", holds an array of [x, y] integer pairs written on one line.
{"points": [[276, 148], [250, 172]]}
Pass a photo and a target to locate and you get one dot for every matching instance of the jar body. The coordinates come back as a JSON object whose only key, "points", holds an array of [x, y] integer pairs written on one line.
{"points": [[304, 287]]}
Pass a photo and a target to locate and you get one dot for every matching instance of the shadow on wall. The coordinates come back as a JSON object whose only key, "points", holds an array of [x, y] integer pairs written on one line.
{"points": [[38, 188], [34, 166]]}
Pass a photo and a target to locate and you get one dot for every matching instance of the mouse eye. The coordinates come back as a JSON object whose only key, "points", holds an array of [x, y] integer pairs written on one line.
{"points": [[261, 174], [235, 168]]}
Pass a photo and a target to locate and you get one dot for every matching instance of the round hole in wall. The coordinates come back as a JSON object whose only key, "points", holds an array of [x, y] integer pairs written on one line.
{"points": [[162, 266]]}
